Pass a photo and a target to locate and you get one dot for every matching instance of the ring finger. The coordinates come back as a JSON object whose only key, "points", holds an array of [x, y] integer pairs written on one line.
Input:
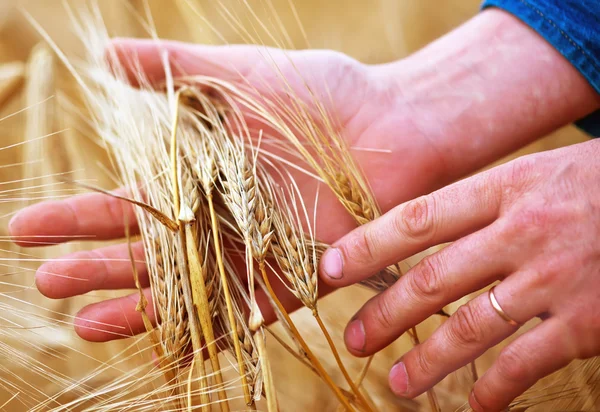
{"points": [[470, 331]]}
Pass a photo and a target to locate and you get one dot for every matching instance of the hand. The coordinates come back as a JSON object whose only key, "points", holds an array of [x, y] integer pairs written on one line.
{"points": [[533, 223], [359, 93]]}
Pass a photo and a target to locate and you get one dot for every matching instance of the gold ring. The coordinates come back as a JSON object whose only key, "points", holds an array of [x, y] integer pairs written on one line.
{"points": [[499, 309]]}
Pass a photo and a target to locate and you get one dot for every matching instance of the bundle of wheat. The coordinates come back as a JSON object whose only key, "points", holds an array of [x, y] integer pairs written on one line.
{"points": [[200, 173]]}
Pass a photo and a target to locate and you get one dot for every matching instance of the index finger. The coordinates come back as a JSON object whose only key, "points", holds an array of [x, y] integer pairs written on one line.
{"points": [[410, 228], [144, 59], [92, 216]]}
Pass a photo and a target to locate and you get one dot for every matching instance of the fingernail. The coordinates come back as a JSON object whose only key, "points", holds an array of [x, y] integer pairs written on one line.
{"points": [[355, 336], [398, 379], [474, 403], [12, 222], [332, 264]]}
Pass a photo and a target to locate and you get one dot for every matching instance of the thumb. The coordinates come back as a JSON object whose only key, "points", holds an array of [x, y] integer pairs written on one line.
{"points": [[143, 60]]}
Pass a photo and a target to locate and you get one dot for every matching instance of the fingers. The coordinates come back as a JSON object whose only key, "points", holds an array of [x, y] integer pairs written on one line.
{"points": [[90, 216], [117, 318], [113, 319], [440, 217], [464, 267], [232, 62], [83, 272], [470, 331], [536, 354]]}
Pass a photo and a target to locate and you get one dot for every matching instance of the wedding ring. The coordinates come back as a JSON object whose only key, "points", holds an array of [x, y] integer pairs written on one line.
{"points": [[499, 309]]}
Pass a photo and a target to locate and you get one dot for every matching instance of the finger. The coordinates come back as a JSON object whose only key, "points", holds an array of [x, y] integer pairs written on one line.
{"points": [[233, 62], [465, 266], [538, 353], [412, 227], [89, 216], [117, 318], [470, 331], [113, 318], [82, 272]]}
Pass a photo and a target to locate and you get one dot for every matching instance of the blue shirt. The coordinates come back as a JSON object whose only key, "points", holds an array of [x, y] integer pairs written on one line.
{"points": [[573, 28]]}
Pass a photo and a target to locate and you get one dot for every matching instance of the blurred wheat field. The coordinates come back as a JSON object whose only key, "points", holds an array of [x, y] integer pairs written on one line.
{"points": [[371, 31]]}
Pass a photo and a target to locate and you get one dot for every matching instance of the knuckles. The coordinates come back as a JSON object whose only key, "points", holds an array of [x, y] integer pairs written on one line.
{"points": [[424, 368], [530, 222], [584, 329], [384, 313], [359, 248], [542, 194], [519, 175], [486, 395], [465, 327], [522, 170], [415, 220], [426, 279], [511, 365], [117, 210]]}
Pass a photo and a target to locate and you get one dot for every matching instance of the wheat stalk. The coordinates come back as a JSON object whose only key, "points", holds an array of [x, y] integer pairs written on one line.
{"points": [[314, 138], [39, 90], [175, 331]]}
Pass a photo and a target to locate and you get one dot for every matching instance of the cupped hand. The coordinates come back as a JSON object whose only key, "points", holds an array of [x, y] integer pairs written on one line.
{"points": [[534, 224], [360, 97]]}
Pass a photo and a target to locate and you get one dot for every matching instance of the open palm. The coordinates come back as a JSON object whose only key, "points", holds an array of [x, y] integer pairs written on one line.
{"points": [[364, 101]]}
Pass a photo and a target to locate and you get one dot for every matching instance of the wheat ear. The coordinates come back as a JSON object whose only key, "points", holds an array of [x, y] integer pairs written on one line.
{"points": [[186, 215], [206, 170], [241, 197], [163, 360], [262, 233], [296, 256]]}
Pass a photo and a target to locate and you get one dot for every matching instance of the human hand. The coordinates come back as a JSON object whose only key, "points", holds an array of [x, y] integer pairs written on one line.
{"points": [[355, 94], [533, 223]]}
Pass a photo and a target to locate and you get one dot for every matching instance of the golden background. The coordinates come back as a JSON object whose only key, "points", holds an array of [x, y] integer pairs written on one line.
{"points": [[371, 31]]}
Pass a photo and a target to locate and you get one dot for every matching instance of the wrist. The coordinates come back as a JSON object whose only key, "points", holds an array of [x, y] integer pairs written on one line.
{"points": [[486, 89]]}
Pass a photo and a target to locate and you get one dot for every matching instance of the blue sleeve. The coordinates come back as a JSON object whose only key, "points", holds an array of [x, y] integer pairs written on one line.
{"points": [[573, 28]]}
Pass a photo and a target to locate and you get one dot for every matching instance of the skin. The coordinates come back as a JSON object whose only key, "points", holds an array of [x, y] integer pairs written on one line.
{"points": [[471, 97]]}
